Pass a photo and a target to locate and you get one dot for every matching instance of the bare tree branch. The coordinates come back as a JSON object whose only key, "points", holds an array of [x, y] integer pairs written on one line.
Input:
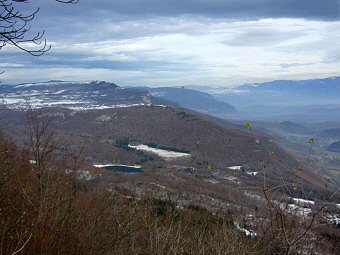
{"points": [[15, 28]]}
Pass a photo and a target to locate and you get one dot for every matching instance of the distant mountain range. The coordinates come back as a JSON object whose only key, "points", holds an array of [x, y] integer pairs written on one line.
{"points": [[309, 100], [333, 133], [306, 92], [100, 94], [334, 147], [192, 99], [77, 95]]}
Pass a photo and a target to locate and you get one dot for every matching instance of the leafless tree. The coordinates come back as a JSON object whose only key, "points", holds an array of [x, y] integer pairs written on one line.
{"points": [[290, 225], [42, 143], [15, 27]]}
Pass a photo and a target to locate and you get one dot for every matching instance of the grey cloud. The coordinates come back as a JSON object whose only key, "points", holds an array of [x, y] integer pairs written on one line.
{"points": [[261, 37], [332, 58], [84, 61], [90, 20], [115, 10], [94, 34], [290, 65], [240, 9]]}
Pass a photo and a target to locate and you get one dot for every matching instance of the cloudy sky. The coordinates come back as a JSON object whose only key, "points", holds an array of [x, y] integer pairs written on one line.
{"points": [[181, 42]]}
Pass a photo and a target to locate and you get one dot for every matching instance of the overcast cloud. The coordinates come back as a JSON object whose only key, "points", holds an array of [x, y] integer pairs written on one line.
{"points": [[172, 42]]}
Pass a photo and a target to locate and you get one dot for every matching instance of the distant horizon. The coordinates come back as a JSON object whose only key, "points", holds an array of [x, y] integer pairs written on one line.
{"points": [[174, 86]]}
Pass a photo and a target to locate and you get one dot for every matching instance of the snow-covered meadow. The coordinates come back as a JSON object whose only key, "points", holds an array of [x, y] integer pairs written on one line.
{"points": [[165, 154]]}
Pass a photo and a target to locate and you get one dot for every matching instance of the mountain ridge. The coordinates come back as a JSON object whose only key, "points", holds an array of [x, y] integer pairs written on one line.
{"points": [[291, 92], [70, 94], [210, 143], [193, 99]]}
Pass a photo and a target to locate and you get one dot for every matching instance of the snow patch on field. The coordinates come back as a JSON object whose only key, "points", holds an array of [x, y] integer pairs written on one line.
{"points": [[158, 185], [81, 174], [9, 101], [253, 196], [58, 92], [85, 175], [332, 219], [211, 181], [250, 233], [57, 103], [104, 118], [298, 210], [232, 179], [300, 201], [252, 173], [15, 101], [166, 154], [235, 168], [108, 165], [100, 107], [48, 83]]}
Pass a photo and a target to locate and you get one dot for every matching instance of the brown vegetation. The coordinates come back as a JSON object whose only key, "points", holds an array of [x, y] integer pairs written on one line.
{"points": [[66, 216], [46, 209], [99, 131]]}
